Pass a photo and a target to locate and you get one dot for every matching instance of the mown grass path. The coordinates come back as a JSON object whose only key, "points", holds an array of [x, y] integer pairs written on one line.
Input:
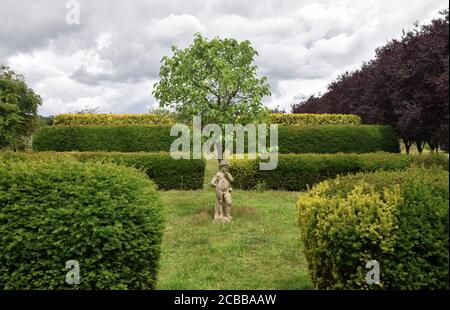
{"points": [[259, 249]]}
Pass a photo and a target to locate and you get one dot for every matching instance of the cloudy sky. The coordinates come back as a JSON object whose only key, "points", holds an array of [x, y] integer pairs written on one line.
{"points": [[111, 59]]}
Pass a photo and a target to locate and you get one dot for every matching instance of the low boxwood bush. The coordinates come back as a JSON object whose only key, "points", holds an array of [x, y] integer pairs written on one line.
{"points": [[166, 172], [104, 216], [314, 119], [295, 172], [335, 139], [112, 119], [400, 219]]}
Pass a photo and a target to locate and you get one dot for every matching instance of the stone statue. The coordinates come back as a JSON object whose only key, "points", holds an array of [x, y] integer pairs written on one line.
{"points": [[221, 181]]}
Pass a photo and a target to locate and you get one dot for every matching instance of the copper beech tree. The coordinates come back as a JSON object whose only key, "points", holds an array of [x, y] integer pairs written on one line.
{"points": [[406, 86]]}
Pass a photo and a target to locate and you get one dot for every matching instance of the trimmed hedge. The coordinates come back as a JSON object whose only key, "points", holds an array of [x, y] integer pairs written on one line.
{"points": [[153, 119], [166, 172], [106, 217], [112, 119], [400, 219], [103, 138], [297, 172], [314, 119], [335, 139], [156, 138]]}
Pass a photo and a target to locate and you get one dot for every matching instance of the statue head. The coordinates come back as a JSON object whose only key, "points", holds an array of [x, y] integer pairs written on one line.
{"points": [[223, 165]]}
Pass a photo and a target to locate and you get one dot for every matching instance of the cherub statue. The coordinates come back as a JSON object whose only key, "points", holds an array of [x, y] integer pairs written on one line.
{"points": [[221, 181]]}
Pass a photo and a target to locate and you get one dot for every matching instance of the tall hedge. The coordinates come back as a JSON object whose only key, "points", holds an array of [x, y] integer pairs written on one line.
{"points": [[104, 216], [400, 219], [156, 138], [112, 119], [295, 172], [314, 119], [335, 139], [166, 172]]}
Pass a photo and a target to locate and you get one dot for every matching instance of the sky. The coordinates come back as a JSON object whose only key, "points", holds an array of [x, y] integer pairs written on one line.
{"points": [[111, 59]]}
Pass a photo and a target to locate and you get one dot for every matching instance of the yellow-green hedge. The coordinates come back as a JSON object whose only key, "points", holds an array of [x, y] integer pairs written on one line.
{"points": [[398, 218], [314, 119], [150, 119], [112, 119]]}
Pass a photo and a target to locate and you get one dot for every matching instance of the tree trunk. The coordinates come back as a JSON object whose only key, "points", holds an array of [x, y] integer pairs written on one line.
{"points": [[407, 144], [420, 145], [433, 147]]}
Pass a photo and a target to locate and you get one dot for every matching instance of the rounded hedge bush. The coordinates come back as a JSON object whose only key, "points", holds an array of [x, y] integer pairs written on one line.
{"points": [[106, 217], [400, 219]]}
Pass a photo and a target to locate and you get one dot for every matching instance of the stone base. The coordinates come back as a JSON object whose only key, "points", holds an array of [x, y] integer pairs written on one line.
{"points": [[222, 219]]}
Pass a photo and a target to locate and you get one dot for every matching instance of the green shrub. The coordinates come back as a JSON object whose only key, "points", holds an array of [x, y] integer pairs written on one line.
{"points": [[335, 139], [314, 119], [165, 171], [156, 138], [106, 217], [432, 159], [103, 138], [112, 119], [398, 218], [295, 172]]}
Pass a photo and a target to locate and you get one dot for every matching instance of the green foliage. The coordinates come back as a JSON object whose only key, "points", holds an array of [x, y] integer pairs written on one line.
{"points": [[106, 217], [216, 79], [398, 218], [432, 159], [165, 171], [154, 138], [334, 139], [112, 119], [314, 119], [161, 116], [18, 109], [297, 172]]}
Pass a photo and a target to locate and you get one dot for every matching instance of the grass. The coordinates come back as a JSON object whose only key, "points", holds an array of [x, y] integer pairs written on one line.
{"points": [[259, 249]]}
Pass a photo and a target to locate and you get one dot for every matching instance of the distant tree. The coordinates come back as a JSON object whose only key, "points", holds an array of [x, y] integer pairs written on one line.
{"points": [[277, 110], [88, 110], [215, 79], [18, 109]]}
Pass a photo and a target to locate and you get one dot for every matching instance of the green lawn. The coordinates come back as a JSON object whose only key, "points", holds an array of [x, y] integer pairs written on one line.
{"points": [[259, 249]]}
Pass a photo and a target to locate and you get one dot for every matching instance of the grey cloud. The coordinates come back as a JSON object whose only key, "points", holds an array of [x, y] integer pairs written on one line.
{"points": [[115, 52]]}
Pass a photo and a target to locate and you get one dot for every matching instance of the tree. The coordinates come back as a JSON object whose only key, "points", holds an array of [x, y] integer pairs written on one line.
{"points": [[406, 86], [215, 79], [18, 109]]}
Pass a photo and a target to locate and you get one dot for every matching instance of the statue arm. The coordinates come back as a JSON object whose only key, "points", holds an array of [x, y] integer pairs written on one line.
{"points": [[229, 177], [214, 181]]}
